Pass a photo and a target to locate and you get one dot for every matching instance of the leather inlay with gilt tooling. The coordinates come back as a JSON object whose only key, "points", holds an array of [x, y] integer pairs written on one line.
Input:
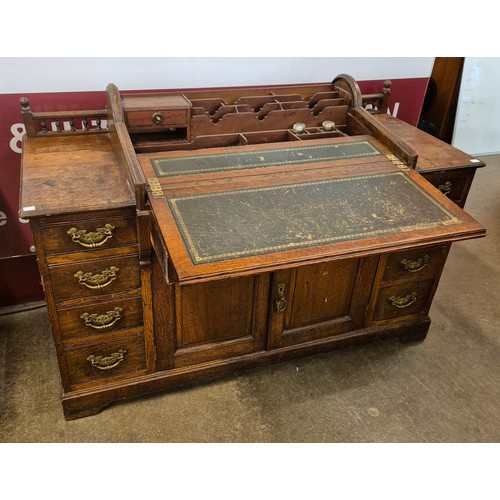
{"points": [[242, 160], [247, 222]]}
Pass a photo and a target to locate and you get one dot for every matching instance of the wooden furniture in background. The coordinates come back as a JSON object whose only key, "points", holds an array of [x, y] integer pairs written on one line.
{"points": [[205, 232], [446, 77]]}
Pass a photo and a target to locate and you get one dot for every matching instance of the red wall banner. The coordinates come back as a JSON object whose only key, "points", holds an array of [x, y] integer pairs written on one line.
{"points": [[19, 279]]}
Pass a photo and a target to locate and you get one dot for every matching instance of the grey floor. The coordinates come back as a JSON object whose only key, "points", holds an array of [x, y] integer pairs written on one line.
{"points": [[445, 389]]}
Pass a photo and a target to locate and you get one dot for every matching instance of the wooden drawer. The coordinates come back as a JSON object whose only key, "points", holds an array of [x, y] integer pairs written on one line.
{"points": [[91, 235], [416, 264], [403, 300], [156, 118], [156, 111], [95, 277], [100, 318], [116, 359], [454, 184]]}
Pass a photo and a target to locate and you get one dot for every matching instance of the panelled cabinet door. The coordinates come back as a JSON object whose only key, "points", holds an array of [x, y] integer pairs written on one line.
{"points": [[319, 300], [220, 319]]}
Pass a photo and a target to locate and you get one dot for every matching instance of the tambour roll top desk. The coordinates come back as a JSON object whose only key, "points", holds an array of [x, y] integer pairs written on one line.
{"points": [[184, 236]]}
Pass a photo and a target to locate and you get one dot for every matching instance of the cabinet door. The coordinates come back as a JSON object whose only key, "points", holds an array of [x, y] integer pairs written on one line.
{"points": [[220, 319], [320, 300]]}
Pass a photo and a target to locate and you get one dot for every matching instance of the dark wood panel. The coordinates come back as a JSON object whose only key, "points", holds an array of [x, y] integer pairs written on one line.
{"points": [[318, 301], [164, 316], [220, 319], [323, 292], [215, 311], [446, 75]]}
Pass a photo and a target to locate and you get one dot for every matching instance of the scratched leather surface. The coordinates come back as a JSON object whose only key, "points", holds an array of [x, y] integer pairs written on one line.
{"points": [[228, 225], [165, 167]]}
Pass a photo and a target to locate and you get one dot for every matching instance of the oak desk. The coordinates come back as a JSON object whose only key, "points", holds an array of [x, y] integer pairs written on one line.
{"points": [[203, 233]]}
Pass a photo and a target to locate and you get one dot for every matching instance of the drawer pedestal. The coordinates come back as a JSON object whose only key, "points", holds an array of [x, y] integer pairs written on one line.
{"points": [[92, 280]]}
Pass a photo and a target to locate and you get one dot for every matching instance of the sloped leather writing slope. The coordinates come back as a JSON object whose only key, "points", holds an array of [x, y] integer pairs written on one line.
{"points": [[242, 160], [248, 222]]}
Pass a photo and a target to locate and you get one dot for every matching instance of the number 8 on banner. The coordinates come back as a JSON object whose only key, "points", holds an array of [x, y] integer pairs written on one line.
{"points": [[18, 131]]}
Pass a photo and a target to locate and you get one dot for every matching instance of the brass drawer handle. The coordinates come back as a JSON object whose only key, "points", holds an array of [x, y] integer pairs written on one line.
{"points": [[415, 265], [281, 302], [445, 188], [92, 239], [97, 281], [107, 362], [403, 302], [101, 321]]}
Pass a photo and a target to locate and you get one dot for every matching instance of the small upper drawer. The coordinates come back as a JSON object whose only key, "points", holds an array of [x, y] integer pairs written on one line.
{"points": [[97, 234], [452, 183], [416, 264], [117, 359], [95, 277], [96, 319], [156, 111], [157, 119]]}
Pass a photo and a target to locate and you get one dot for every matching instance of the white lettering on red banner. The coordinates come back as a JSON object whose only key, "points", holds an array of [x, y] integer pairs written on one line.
{"points": [[17, 131]]}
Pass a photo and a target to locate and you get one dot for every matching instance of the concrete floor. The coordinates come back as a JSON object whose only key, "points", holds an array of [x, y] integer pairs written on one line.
{"points": [[445, 389]]}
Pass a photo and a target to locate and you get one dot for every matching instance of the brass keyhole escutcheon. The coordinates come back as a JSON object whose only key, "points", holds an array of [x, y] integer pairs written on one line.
{"points": [[157, 118], [281, 302]]}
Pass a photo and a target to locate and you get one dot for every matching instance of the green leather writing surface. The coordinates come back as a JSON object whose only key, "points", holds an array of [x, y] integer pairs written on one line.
{"points": [[197, 164], [228, 225]]}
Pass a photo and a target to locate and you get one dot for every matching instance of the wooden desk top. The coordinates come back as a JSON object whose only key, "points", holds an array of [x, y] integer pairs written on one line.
{"points": [[234, 211], [69, 174], [433, 154]]}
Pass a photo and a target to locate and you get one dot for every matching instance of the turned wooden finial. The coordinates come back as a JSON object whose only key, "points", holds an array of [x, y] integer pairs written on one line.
{"points": [[27, 117], [25, 104], [386, 92]]}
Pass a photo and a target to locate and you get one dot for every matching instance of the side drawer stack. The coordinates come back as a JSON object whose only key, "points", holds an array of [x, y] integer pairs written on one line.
{"points": [[92, 282], [405, 284]]}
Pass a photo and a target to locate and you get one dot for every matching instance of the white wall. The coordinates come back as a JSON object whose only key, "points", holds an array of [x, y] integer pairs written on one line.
{"points": [[477, 123], [31, 74]]}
